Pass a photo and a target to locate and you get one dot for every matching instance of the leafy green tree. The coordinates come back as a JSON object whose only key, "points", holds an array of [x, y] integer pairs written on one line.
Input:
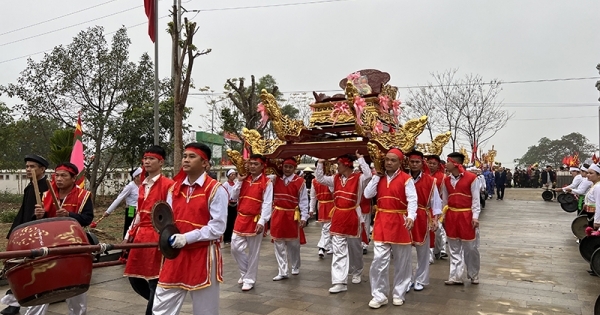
{"points": [[551, 152], [91, 76], [61, 145]]}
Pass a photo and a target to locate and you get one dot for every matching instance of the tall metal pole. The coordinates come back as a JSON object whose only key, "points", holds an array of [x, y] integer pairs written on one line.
{"points": [[156, 137]]}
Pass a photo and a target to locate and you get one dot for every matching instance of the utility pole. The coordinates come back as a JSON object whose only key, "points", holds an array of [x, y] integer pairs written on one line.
{"points": [[177, 4], [156, 136], [598, 88]]}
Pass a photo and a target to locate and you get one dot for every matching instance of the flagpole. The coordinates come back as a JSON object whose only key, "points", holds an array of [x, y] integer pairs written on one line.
{"points": [[156, 142]]}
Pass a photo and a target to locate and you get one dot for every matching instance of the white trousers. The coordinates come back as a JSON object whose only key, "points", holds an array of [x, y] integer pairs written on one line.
{"points": [[423, 253], [347, 258], [10, 300], [440, 240], [325, 240], [379, 274], [204, 301], [287, 251], [77, 306], [247, 263], [367, 219], [464, 255]]}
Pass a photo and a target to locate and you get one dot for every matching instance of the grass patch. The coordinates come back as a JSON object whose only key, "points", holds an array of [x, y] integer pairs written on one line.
{"points": [[7, 197], [8, 215]]}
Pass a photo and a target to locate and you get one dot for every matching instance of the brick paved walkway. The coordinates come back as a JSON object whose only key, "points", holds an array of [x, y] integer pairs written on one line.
{"points": [[530, 265]]}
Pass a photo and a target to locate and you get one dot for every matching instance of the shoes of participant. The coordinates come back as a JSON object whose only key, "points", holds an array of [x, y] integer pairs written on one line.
{"points": [[356, 279], [450, 282], [337, 288], [247, 286], [295, 272], [475, 280], [13, 310], [364, 251], [418, 287], [240, 281], [398, 301], [321, 253], [376, 304], [279, 277], [329, 252], [410, 285]]}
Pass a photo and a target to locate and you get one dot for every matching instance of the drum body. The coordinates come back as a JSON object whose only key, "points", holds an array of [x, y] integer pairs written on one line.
{"points": [[51, 278]]}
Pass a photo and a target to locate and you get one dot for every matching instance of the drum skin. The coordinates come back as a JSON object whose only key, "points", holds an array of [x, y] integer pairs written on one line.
{"points": [[52, 278], [579, 225]]}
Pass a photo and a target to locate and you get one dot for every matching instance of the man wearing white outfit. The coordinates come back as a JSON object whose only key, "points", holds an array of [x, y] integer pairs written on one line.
{"points": [[199, 205], [460, 192], [255, 195], [346, 221], [290, 212], [395, 216], [428, 212]]}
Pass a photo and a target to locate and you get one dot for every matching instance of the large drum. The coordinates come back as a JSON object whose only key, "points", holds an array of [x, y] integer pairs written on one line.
{"points": [[51, 278]]}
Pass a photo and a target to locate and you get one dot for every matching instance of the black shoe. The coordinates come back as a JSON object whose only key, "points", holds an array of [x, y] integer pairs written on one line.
{"points": [[11, 310], [364, 251], [592, 273]]}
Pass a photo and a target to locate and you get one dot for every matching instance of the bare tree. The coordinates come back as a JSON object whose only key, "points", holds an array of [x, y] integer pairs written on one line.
{"points": [[483, 114], [421, 102], [183, 76]]}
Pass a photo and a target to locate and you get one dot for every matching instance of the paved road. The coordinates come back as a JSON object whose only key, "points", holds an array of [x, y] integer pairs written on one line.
{"points": [[530, 265]]}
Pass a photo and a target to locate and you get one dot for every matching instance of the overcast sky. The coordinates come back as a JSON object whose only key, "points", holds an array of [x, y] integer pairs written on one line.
{"points": [[311, 46]]}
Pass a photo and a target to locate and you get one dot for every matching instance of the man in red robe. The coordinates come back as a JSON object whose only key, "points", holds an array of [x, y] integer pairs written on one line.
{"points": [[200, 212], [428, 211], [460, 192], [395, 216], [438, 242], [255, 195], [290, 212], [143, 264], [346, 219], [73, 202], [321, 199]]}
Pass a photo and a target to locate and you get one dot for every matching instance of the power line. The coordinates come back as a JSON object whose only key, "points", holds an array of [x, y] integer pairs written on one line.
{"points": [[267, 6], [56, 18], [555, 118], [70, 26]]}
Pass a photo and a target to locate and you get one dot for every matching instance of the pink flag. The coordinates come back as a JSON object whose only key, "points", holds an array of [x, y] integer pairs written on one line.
{"points": [[77, 153]]}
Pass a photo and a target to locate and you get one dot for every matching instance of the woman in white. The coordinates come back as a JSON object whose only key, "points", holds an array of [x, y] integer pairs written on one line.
{"points": [[130, 194], [593, 194]]}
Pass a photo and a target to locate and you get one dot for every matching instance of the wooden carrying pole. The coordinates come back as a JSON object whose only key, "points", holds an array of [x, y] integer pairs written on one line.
{"points": [[36, 189], [44, 251]]}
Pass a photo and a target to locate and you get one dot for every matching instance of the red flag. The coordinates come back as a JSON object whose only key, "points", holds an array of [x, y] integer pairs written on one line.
{"points": [[77, 153], [149, 7]]}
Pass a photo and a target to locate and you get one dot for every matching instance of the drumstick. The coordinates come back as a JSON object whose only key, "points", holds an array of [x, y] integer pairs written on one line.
{"points": [[36, 189], [94, 224], [54, 198]]}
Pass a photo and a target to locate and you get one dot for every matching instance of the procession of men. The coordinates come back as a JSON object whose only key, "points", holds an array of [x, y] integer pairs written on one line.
{"points": [[407, 213]]}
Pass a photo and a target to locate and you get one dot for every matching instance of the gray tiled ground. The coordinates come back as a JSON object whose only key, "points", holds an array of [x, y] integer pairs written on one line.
{"points": [[530, 265]]}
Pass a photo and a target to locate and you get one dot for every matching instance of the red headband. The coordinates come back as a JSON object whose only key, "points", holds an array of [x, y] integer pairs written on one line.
{"points": [[259, 160], [415, 156], [197, 151], [458, 165], [154, 155], [396, 152], [345, 161], [290, 162], [67, 169]]}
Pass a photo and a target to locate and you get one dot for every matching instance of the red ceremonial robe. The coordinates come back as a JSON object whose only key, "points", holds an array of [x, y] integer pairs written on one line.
{"points": [[391, 209], [424, 187], [344, 219], [457, 222], [145, 262], [250, 205], [285, 219], [192, 268], [325, 201], [73, 202]]}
